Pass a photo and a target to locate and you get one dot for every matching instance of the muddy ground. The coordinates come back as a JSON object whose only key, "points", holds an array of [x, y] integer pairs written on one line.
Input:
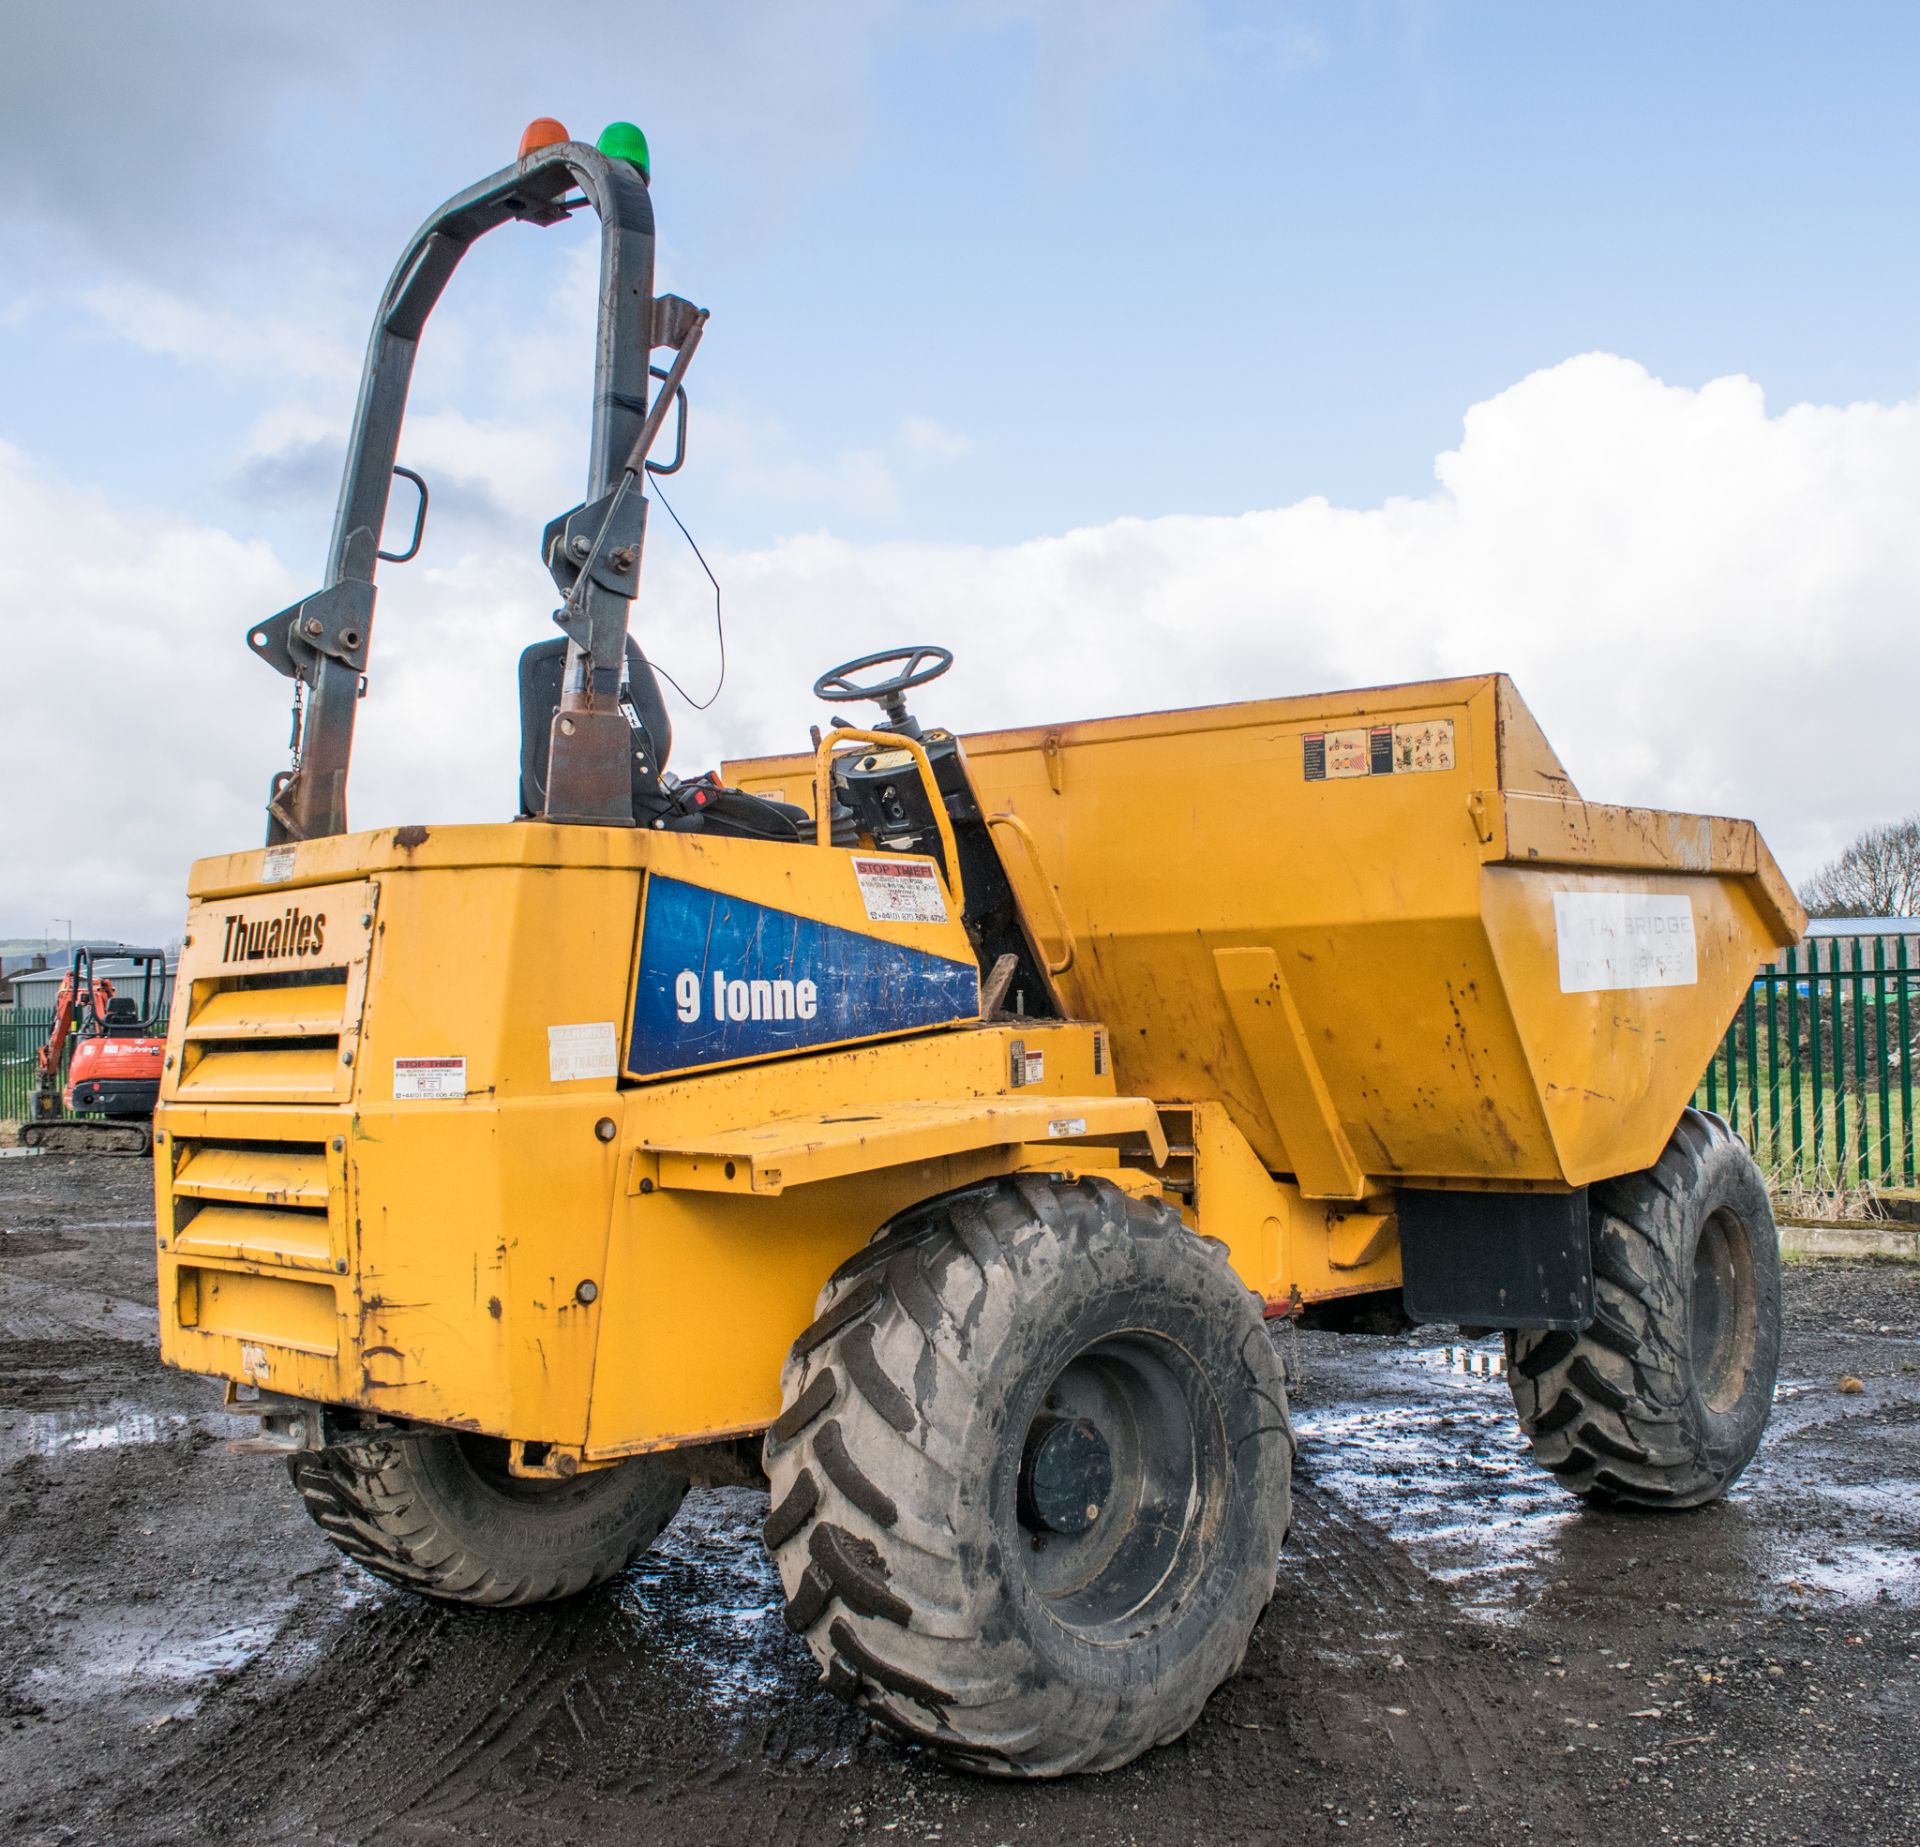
{"points": [[1456, 1652]]}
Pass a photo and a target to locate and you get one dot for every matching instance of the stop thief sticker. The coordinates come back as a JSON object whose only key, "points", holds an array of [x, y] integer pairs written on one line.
{"points": [[423, 1080], [900, 891]]}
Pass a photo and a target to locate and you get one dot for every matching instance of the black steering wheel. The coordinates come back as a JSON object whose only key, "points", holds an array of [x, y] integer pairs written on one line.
{"points": [[837, 687]]}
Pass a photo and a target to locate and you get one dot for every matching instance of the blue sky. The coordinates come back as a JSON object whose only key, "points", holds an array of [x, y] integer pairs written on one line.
{"points": [[983, 275]]}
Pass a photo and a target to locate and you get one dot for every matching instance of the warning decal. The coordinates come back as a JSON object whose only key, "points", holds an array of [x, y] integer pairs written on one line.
{"points": [[1424, 744], [582, 1051], [1624, 939], [421, 1080], [900, 891]]}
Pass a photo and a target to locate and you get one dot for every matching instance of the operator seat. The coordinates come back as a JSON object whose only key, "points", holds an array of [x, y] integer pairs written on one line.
{"points": [[541, 669], [123, 1018], [702, 806]]}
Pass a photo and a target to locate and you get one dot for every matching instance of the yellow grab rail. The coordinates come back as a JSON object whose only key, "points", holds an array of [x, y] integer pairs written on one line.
{"points": [[887, 740], [1025, 834]]}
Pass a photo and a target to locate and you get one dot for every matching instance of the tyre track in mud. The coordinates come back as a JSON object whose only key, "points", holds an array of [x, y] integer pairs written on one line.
{"points": [[1448, 1709], [449, 1721]]}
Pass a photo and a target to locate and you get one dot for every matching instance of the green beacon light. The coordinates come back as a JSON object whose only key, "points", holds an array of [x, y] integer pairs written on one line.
{"points": [[622, 141]]}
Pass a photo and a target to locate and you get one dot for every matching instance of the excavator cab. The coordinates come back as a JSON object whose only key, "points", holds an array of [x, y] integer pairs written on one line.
{"points": [[118, 1048]]}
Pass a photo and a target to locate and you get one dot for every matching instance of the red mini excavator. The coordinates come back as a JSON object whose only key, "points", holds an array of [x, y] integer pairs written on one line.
{"points": [[118, 1044]]}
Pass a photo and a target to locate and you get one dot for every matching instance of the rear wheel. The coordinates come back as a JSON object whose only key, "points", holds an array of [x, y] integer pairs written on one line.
{"points": [[1662, 1400], [438, 1512], [1030, 1483]]}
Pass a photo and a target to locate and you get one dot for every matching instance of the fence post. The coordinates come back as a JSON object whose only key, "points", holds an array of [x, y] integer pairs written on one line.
{"points": [[1880, 1047], [1773, 1066], [1815, 1035], [1793, 1048], [1837, 1021], [1906, 1062]]}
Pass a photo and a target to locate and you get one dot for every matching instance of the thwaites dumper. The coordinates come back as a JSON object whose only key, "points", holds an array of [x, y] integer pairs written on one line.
{"points": [[929, 1126]]}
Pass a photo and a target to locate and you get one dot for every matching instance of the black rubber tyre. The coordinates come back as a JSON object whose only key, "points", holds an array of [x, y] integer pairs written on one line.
{"points": [[1031, 1480], [438, 1513], [1662, 1401]]}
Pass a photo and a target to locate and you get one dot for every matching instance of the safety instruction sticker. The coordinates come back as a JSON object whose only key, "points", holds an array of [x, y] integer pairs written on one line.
{"points": [[1624, 939], [421, 1080], [573, 1052], [1067, 1125], [900, 891], [277, 867], [1417, 746]]}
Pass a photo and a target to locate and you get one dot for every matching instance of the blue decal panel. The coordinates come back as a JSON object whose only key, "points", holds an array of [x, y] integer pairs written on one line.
{"points": [[723, 979]]}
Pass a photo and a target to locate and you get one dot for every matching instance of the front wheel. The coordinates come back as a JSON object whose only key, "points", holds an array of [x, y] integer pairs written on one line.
{"points": [[438, 1512], [1031, 1480], [1662, 1400]]}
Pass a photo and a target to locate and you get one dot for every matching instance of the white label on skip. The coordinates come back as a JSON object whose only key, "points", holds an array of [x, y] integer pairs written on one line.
{"points": [[421, 1080], [581, 1051], [277, 867], [1624, 939]]}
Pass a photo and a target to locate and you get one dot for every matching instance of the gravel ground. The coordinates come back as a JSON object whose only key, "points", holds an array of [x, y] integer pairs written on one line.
{"points": [[1456, 1651]]}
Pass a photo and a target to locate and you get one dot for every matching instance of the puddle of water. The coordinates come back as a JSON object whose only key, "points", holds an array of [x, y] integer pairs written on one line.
{"points": [[709, 1597], [1467, 1362], [183, 1657], [1862, 1573], [1450, 1481], [120, 1658], [93, 1427]]}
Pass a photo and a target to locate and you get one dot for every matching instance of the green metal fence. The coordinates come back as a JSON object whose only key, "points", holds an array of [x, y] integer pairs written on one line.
{"points": [[22, 1034], [1817, 1069]]}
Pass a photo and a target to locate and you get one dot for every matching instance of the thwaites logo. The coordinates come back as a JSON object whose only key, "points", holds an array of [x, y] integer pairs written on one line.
{"points": [[258, 939]]}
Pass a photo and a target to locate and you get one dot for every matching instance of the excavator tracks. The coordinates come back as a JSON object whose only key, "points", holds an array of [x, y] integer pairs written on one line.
{"points": [[82, 1135]]}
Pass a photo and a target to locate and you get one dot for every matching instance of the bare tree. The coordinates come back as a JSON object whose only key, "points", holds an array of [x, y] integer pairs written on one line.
{"points": [[1877, 876]]}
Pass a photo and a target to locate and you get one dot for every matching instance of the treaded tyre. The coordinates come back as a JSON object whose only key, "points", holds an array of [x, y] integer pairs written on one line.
{"points": [[1031, 1480], [1662, 1401], [437, 1512]]}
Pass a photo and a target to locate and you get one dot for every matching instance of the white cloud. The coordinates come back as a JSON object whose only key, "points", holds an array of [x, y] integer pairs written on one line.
{"points": [[927, 441], [1707, 607], [756, 455], [278, 346], [135, 732]]}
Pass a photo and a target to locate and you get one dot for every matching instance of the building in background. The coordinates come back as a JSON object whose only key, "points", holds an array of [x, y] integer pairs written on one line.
{"points": [[30, 982]]}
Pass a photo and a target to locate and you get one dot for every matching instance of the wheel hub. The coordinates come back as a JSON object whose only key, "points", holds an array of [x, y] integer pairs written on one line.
{"points": [[1066, 1475]]}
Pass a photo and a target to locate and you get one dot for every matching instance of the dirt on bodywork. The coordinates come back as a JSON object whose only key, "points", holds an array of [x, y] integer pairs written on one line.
{"points": [[1455, 1652]]}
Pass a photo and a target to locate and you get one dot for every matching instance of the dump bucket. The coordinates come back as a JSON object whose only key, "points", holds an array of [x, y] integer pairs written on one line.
{"points": [[1385, 929]]}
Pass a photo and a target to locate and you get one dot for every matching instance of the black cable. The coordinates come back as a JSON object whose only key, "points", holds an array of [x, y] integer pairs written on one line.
{"points": [[719, 624]]}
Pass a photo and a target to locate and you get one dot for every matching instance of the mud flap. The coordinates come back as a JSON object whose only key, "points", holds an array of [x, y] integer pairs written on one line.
{"points": [[1497, 1260]]}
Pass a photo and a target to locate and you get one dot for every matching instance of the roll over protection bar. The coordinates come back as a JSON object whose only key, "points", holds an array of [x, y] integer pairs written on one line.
{"points": [[593, 552]]}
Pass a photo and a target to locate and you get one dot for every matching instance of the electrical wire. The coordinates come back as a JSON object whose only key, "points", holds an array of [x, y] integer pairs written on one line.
{"points": [[719, 624]]}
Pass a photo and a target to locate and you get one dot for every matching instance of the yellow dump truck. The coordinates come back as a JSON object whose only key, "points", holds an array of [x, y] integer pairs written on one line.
{"points": [[930, 1126]]}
